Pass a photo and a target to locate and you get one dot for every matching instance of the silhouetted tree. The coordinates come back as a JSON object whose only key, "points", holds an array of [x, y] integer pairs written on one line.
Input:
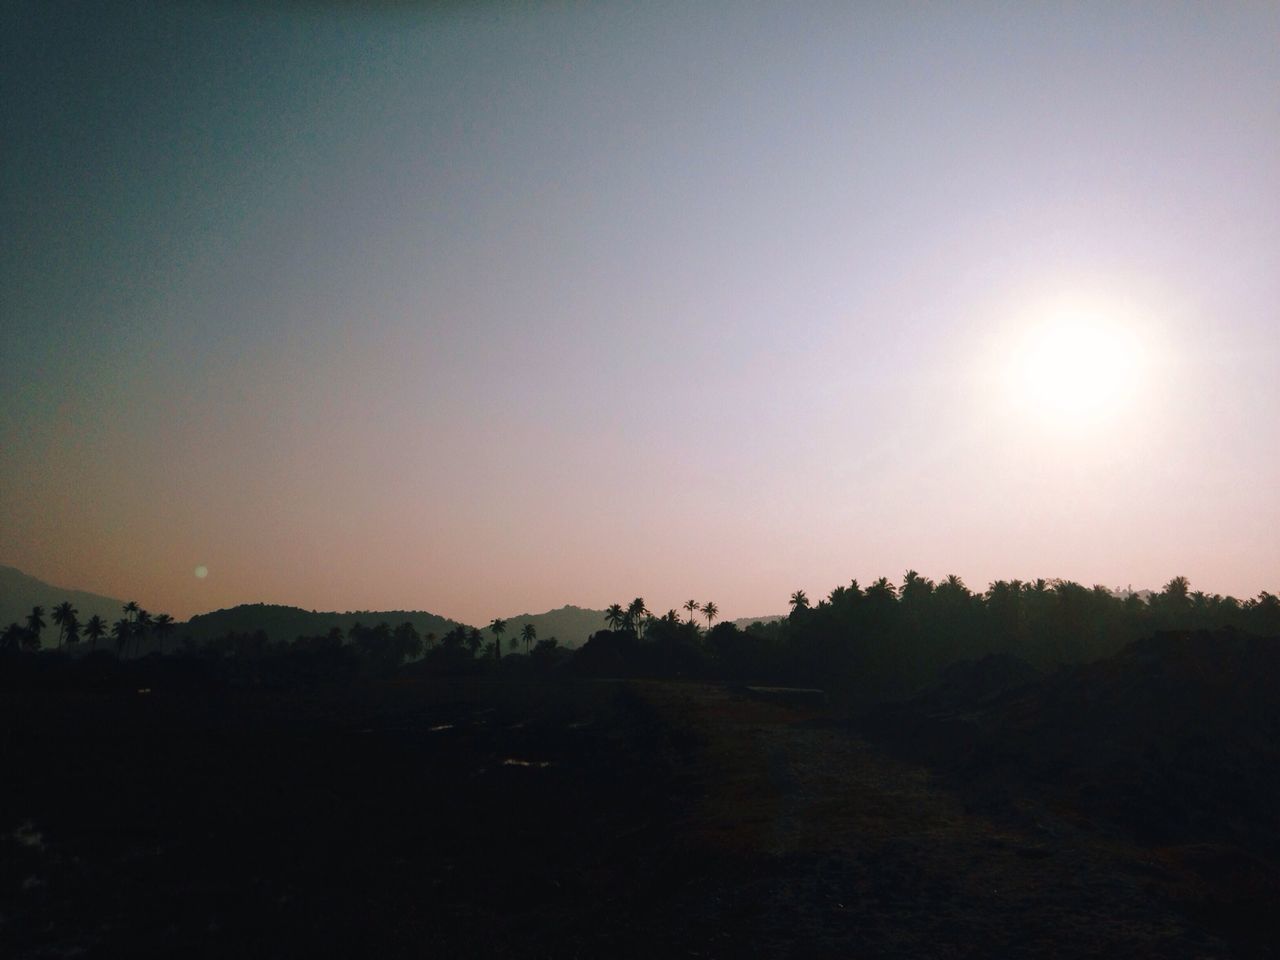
{"points": [[710, 611], [1263, 613], [121, 631], [693, 607], [11, 641], [35, 623], [636, 612], [407, 642], [529, 634], [615, 616], [142, 624], [163, 626], [95, 629], [63, 614], [497, 626], [73, 630]]}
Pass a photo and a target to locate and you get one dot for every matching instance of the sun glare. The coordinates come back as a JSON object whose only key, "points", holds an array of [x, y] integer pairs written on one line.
{"points": [[1076, 369]]}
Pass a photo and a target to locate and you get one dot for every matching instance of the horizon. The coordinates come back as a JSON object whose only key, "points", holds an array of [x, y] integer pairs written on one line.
{"points": [[479, 309], [1119, 590]]}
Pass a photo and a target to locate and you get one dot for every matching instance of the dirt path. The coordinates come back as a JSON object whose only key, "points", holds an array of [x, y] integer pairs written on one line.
{"points": [[819, 844]]}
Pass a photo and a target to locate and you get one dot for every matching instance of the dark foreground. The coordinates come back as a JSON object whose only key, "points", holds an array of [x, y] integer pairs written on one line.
{"points": [[588, 819]]}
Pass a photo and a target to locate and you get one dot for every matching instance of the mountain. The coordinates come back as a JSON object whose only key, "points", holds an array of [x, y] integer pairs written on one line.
{"points": [[20, 592], [743, 622], [284, 624], [571, 626]]}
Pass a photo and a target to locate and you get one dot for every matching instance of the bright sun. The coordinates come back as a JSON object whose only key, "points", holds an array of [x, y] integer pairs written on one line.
{"points": [[1076, 369]]}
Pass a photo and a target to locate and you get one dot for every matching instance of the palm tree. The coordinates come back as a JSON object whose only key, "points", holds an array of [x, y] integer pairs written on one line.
{"points": [[63, 614], [710, 611], [120, 630], [130, 609], [73, 630], [883, 589], [474, 640], [141, 627], [529, 634], [497, 626], [12, 639], [692, 607], [164, 626], [615, 616], [35, 623], [636, 611], [94, 630], [799, 601]]}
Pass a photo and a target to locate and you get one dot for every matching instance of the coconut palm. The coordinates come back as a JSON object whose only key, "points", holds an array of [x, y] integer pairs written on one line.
{"points": [[636, 612], [799, 601], [615, 616], [528, 635], [94, 630], [12, 639], [35, 623], [130, 609], [73, 630], [120, 631], [163, 626], [692, 607], [142, 624], [475, 639], [882, 590], [497, 626], [63, 614], [710, 611]]}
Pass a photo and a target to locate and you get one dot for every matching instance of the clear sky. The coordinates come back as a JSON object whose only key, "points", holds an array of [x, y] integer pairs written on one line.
{"points": [[482, 310]]}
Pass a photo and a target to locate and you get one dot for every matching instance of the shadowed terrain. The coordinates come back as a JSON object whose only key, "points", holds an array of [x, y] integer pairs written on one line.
{"points": [[644, 818]]}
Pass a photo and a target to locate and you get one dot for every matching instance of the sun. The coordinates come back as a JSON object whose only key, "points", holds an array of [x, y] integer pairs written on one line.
{"points": [[1076, 368]]}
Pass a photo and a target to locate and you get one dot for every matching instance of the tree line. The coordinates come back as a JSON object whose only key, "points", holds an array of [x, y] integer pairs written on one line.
{"points": [[888, 639], [884, 639], [134, 627]]}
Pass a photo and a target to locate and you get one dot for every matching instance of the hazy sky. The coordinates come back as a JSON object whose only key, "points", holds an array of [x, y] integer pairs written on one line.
{"points": [[486, 310]]}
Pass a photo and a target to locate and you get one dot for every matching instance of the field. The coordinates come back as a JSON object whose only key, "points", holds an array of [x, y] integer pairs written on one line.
{"points": [[422, 817]]}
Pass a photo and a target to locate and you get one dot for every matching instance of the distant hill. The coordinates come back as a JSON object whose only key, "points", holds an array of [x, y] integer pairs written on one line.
{"points": [[20, 592], [743, 622], [571, 626], [284, 624]]}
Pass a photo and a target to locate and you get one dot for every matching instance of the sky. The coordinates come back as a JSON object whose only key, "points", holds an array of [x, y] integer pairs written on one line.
{"points": [[489, 308]]}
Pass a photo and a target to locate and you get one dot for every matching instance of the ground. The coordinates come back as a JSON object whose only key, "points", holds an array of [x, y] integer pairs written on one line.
{"points": [[583, 819]]}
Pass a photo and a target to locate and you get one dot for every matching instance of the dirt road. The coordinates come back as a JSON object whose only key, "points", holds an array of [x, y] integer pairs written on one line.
{"points": [[818, 843]]}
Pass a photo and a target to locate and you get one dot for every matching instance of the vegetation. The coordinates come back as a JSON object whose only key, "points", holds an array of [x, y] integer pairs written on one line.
{"points": [[880, 642], [888, 640]]}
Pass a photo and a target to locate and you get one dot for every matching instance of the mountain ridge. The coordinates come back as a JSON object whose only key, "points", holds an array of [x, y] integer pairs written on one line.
{"points": [[570, 624], [19, 592]]}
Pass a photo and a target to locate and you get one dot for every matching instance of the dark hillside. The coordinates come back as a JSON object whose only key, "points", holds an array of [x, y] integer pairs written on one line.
{"points": [[284, 624], [20, 592]]}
